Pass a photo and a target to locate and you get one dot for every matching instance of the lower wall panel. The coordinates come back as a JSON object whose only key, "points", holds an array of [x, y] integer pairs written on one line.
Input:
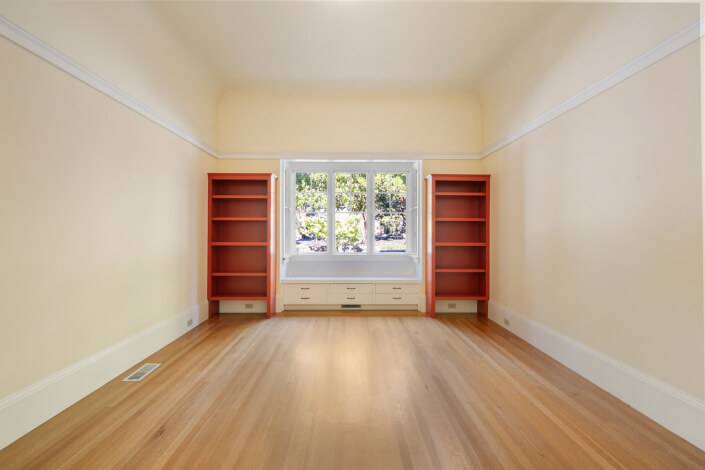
{"points": [[29, 408], [679, 412]]}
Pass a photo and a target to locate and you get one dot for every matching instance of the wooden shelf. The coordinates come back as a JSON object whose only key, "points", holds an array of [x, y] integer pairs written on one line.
{"points": [[239, 196], [240, 297], [460, 219], [460, 244], [461, 297], [461, 194], [445, 270], [239, 219], [238, 243], [238, 274]]}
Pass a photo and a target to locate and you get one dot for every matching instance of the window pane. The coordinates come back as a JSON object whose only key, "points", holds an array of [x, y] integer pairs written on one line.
{"points": [[319, 202], [390, 233], [398, 183], [343, 202], [311, 232], [358, 202], [319, 182], [398, 202], [355, 202], [348, 199], [359, 182], [381, 202], [303, 202], [351, 232], [342, 182], [381, 182], [303, 182]]}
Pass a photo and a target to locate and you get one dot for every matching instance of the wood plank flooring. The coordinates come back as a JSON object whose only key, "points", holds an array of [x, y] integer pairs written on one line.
{"points": [[307, 390]]}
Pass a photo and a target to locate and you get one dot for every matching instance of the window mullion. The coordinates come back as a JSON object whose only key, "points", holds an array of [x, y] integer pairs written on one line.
{"points": [[290, 215], [370, 177], [330, 205], [410, 233]]}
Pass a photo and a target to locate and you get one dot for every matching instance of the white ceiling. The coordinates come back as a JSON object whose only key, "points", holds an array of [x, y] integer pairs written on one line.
{"points": [[351, 44]]}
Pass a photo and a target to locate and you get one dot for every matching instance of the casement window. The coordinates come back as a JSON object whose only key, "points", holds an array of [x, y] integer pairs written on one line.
{"points": [[353, 209]]}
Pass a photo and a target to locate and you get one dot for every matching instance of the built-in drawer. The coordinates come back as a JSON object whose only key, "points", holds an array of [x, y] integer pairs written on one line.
{"points": [[305, 294], [397, 288], [389, 299], [351, 288], [354, 298]]}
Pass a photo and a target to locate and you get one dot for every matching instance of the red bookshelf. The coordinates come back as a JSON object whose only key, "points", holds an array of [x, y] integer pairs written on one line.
{"points": [[241, 238], [457, 240]]}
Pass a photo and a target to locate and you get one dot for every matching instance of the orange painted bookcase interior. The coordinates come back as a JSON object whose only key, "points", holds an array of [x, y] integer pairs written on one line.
{"points": [[241, 238], [457, 240]]}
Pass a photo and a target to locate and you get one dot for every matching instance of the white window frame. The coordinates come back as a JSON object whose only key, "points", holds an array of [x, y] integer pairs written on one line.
{"points": [[369, 167]]}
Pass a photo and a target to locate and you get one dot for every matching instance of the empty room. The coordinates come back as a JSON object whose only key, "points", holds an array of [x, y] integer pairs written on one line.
{"points": [[351, 235]]}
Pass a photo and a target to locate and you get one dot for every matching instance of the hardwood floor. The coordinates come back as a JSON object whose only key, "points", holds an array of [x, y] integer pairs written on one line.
{"points": [[306, 390]]}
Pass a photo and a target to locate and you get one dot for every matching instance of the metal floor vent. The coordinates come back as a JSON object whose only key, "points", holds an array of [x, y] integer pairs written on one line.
{"points": [[350, 306], [140, 373]]}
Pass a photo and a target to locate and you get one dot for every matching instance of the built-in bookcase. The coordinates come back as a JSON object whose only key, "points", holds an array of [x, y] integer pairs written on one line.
{"points": [[241, 238], [457, 254]]}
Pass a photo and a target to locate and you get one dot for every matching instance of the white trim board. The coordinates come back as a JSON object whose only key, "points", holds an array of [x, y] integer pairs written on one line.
{"points": [[33, 44], [677, 411], [32, 406]]}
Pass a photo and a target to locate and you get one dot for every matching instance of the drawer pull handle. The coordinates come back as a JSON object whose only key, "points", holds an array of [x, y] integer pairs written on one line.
{"points": [[350, 298], [396, 288], [304, 288], [396, 298], [351, 288], [305, 298]]}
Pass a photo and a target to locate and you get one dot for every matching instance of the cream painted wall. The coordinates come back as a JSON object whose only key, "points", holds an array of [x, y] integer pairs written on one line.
{"points": [[103, 231], [570, 50], [132, 49], [597, 216], [393, 121]]}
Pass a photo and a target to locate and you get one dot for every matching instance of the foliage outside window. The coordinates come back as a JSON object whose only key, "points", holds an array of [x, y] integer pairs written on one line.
{"points": [[311, 212], [351, 208], [350, 212], [390, 212]]}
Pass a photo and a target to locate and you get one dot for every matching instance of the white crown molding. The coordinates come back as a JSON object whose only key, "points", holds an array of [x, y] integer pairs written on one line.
{"points": [[648, 58], [35, 45], [32, 406], [675, 410], [39, 48]]}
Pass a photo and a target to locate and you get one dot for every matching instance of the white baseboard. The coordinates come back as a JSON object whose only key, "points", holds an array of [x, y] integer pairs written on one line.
{"points": [[673, 409], [32, 406]]}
